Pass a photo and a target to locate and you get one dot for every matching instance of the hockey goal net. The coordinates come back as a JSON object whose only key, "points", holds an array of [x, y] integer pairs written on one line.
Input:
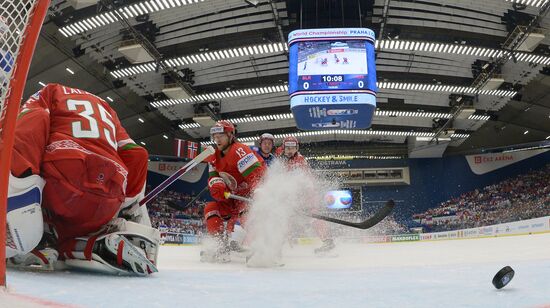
{"points": [[20, 24]]}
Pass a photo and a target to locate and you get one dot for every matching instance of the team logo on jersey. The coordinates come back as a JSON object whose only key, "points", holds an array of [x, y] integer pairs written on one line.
{"points": [[246, 162], [100, 178]]}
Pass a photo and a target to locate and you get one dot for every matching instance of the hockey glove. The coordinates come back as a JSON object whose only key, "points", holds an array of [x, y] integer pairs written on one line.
{"points": [[217, 188]]}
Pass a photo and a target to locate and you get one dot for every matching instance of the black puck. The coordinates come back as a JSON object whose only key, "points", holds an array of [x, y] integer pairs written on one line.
{"points": [[503, 277]]}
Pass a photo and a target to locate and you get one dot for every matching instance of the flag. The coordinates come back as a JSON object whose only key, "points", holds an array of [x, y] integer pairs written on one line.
{"points": [[192, 149], [179, 147], [187, 149]]}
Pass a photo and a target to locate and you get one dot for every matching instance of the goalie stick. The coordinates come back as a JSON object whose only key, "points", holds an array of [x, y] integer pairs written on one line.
{"points": [[365, 224], [183, 170]]}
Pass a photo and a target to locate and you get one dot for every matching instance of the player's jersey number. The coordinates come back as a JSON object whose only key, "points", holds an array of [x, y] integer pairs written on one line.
{"points": [[89, 115], [241, 152]]}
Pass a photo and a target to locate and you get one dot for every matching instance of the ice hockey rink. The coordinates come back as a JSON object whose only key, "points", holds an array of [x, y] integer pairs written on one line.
{"points": [[454, 273]]}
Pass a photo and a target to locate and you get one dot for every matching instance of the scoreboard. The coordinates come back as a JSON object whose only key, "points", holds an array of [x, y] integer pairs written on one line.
{"points": [[332, 78]]}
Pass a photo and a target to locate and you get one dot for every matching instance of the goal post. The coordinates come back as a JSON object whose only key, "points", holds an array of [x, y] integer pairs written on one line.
{"points": [[20, 24]]}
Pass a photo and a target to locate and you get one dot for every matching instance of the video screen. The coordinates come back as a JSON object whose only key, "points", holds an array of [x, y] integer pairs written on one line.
{"points": [[343, 199], [332, 58]]}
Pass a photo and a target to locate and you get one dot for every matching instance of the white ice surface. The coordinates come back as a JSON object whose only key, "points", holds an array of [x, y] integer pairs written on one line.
{"points": [[427, 274]]}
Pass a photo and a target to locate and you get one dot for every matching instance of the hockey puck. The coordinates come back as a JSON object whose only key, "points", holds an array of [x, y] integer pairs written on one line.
{"points": [[503, 277]]}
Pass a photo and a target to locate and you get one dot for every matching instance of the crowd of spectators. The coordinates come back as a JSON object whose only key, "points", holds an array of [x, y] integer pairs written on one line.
{"points": [[170, 211], [518, 198]]}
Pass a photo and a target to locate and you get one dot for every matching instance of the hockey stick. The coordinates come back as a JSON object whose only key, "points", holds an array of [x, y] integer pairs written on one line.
{"points": [[183, 170], [177, 206], [365, 224]]}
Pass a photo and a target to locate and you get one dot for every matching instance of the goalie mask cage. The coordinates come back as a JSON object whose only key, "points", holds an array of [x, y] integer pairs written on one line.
{"points": [[20, 24]]}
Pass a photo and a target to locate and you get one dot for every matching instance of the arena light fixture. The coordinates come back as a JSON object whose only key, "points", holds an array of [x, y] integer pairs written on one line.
{"points": [[165, 137], [270, 117], [189, 125], [207, 56], [254, 3], [141, 120], [442, 88], [70, 71], [110, 99], [342, 132], [460, 136], [418, 114], [300, 134], [535, 3], [459, 49], [142, 143], [284, 88], [220, 95], [129, 11], [479, 117], [378, 113], [41, 83], [348, 157]]}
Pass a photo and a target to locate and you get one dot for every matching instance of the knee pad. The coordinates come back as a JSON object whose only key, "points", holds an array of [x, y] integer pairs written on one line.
{"points": [[213, 219], [211, 209], [25, 224]]}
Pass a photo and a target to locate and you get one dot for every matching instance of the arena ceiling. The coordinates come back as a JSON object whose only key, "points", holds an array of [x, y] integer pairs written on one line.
{"points": [[474, 74]]}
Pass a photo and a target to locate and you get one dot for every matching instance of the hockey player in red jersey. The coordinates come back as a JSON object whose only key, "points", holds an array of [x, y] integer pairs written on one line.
{"points": [[294, 159], [75, 168], [290, 153], [235, 168]]}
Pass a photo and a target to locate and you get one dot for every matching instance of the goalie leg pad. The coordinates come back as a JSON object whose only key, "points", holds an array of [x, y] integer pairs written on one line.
{"points": [[134, 232], [25, 224], [36, 260], [128, 255], [118, 253]]}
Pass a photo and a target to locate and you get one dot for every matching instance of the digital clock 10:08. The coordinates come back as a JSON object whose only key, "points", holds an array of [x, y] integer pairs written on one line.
{"points": [[332, 78]]}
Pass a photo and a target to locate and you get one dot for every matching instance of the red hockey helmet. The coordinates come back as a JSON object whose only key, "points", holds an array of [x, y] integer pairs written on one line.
{"points": [[223, 126], [290, 141]]}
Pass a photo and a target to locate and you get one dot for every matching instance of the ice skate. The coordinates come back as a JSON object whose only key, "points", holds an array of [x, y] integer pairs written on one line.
{"points": [[327, 249]]}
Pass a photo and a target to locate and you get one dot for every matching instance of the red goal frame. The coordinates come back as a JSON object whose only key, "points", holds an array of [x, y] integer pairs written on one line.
{"points": [[15, 89]]}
